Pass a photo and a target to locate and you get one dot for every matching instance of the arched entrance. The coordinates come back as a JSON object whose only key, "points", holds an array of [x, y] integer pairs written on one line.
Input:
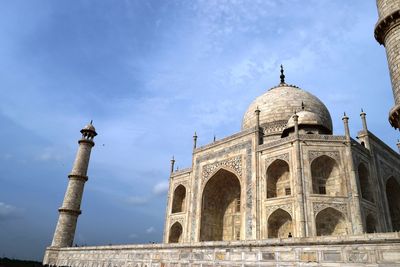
{"points": [[330, 222], [280, 224], [365, 185], [221, 208], [393, 198], [326, 178], [178, 203], [278, 182], [175, 233]]}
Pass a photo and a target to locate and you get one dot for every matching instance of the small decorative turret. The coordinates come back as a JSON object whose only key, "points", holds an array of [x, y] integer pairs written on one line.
{"points": [[364, 120], [70, 209], [194, 140], [257, 112], [345, 120], [172, 164], [398, 144], [296, 124], [364, 136]]}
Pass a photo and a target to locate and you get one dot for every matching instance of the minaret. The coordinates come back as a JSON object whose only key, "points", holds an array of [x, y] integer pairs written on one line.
{"points": [[70, 209], [387, 33]]}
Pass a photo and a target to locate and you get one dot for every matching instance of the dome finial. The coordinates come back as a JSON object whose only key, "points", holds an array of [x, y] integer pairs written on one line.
{"points": [[282, 75]]}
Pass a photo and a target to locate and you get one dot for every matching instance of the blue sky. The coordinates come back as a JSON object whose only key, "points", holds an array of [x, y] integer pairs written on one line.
{"points": [[150, 73]]}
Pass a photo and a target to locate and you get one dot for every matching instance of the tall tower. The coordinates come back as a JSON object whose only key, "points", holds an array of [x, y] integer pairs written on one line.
{"points": [[387, 33], [70, 209]]}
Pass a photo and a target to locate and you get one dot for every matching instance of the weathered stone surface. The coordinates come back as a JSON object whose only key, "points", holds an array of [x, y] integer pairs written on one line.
{"points": [[360, 250]]}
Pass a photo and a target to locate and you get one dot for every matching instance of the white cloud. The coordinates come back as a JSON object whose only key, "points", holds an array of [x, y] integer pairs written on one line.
{"points": [[160, 188], [150, 230], [7, 211], [136, 200], [48, 154]]}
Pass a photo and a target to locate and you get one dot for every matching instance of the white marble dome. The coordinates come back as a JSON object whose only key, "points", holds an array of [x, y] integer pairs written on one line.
{"points": [[277, 106]]}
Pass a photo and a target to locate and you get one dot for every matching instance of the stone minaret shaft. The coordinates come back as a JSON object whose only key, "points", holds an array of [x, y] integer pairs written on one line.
{"points": [[70, 209], [387, 33]]}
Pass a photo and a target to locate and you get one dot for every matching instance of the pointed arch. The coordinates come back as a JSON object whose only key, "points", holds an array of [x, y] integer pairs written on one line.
{"points": [[278, 179], [393, 198], [175, 233], [221, 208], [365, 183], [326, 178], [280, 224], [179, 197], [330, 221]]}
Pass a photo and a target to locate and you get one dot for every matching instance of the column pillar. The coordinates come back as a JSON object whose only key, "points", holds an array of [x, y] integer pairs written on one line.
{"points": [[299, 190], [356, 219]]}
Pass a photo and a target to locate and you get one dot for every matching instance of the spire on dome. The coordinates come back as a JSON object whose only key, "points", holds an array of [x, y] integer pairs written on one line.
{"points": [[282, 75]]}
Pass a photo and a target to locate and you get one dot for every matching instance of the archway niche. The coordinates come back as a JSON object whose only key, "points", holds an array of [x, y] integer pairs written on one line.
{"points": [[365, 185], [175, 233], [178, 203], [326, 178], [221, 208], [370, 224], [330, 222], [278, 179], [393, 198], [280, 224]]}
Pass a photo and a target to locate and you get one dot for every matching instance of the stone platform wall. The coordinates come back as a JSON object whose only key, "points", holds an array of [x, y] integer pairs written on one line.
{"points": [[363, 250]]}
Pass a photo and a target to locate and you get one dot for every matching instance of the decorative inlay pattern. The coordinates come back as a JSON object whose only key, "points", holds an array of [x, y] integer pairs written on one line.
{"points": [[278, 142], [315, 154], [234, 164], [177, 218], [275, 126], [284, 157], [185, 184], [318, 206], [322, 137], [286, 207]]}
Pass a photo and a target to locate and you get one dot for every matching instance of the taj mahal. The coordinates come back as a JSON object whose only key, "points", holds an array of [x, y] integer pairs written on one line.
{"points": [[283, 191]]}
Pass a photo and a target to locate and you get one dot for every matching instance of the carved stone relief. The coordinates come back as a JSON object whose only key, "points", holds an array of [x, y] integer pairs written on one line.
{"points": [[318, 206], [185, 184], [284, 157], [233, 164], [286, 207], [315, 154], [177, 218]]}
